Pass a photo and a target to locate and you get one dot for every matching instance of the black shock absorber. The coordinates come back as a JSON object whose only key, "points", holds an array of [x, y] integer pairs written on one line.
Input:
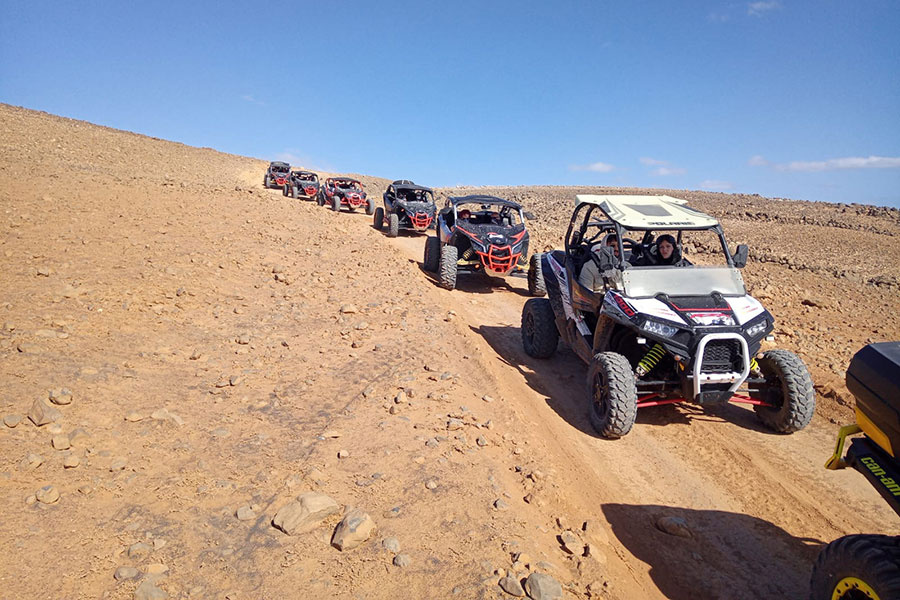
{"points": [[650, 360]]}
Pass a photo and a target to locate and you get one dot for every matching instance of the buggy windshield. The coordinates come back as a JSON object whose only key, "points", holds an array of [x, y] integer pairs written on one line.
{"points": [[280, 169], [683, 281]]}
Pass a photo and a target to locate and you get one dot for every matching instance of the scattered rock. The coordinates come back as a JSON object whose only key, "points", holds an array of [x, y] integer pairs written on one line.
{"points": [[354, 529], [32, 461], [47, 495], [138, 551], [60, 397], [481, 441], [118, 464], [245, 513], [431, 484], [71, 461], [571, 543], [42, 413], [343, 453], [78, 437], [60, 442], [12, 421], [148, 591], [305, 514], [391, 544], [511, 586], [133, 416], [126, 573], [500, 504], [676, 526], [487, 398], [402, 560], [243, 339], [539, 586], [349, 309]]}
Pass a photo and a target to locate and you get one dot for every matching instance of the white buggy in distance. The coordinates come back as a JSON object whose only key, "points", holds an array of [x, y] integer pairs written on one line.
{"points": [[654, 334]]}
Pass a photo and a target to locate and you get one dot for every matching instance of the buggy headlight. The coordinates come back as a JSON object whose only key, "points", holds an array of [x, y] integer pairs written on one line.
{"points": [[660, 329], [756, 330]]}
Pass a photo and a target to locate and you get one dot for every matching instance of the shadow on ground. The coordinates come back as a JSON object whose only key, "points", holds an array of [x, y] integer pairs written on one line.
{"points": [[728, 555], [561, 379]]}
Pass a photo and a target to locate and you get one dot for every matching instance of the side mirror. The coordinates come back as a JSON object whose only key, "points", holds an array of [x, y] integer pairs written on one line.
{"points": [[529, 215], [606, 259], [740, 256]]}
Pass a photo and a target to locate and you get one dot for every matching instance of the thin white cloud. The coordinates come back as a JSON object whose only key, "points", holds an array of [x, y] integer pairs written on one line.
{"points": [[666, 171], [757, 9], [833, 164], [717, 17], [597, 167], [252, 100], [715, 185], [652, 162]]}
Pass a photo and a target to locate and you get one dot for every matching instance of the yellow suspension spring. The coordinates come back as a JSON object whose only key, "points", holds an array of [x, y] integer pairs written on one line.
{"points": [[468, 254], [754, 366], [650, 360]]}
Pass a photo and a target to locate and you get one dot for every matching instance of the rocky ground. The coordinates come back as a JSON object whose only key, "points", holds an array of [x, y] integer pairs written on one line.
{"points": [[212, 391]]}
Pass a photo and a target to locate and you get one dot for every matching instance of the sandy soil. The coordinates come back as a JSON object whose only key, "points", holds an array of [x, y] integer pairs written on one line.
{"points": [[223, 345]]}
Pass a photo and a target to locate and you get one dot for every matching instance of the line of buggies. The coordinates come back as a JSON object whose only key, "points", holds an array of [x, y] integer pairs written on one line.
{"points": [[472, 234]]}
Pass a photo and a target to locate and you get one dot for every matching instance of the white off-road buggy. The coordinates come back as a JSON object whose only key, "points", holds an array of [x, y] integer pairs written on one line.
{"points": [[655, 334]]}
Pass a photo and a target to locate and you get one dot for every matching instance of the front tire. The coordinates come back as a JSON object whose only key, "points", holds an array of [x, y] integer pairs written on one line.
{"points": [[789, 388], [536, 285], [857, 566], [294, 192], [335, 203], [393, 225], [613, 394], [539, 333], [447, 268], [320, 199], [432, 254], [378, 221], [370, 207]]}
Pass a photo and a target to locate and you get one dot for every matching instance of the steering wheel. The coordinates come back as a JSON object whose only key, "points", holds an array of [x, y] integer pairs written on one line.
{"points": [[632, 246]]}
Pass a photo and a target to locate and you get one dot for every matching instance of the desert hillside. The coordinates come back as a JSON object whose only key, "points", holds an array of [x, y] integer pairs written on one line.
{"points": [[188, 360]]}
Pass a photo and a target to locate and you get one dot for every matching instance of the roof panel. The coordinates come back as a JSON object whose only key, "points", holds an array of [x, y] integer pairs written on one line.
{"points": [[648, 212]]}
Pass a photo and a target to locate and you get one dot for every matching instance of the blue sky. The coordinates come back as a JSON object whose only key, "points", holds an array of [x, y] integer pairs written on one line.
{"points": [[781, 98]]}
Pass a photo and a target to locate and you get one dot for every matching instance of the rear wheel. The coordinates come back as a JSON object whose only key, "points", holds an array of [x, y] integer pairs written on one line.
{"points": [[789, 389], [378, 221], [393, 225], [539, 333], [857, 567], [432, 254], [335, 203], [266, 182], [536, 285], [613, 394], [447, 267]]}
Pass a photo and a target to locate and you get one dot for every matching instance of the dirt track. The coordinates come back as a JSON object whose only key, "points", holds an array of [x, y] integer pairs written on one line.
{"points": [[142, 275]]}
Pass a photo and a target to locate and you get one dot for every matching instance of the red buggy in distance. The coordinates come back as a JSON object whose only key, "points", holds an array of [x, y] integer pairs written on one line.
{"points": [[277, 174], [302, 184], [406, 206], [344, 191]]}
